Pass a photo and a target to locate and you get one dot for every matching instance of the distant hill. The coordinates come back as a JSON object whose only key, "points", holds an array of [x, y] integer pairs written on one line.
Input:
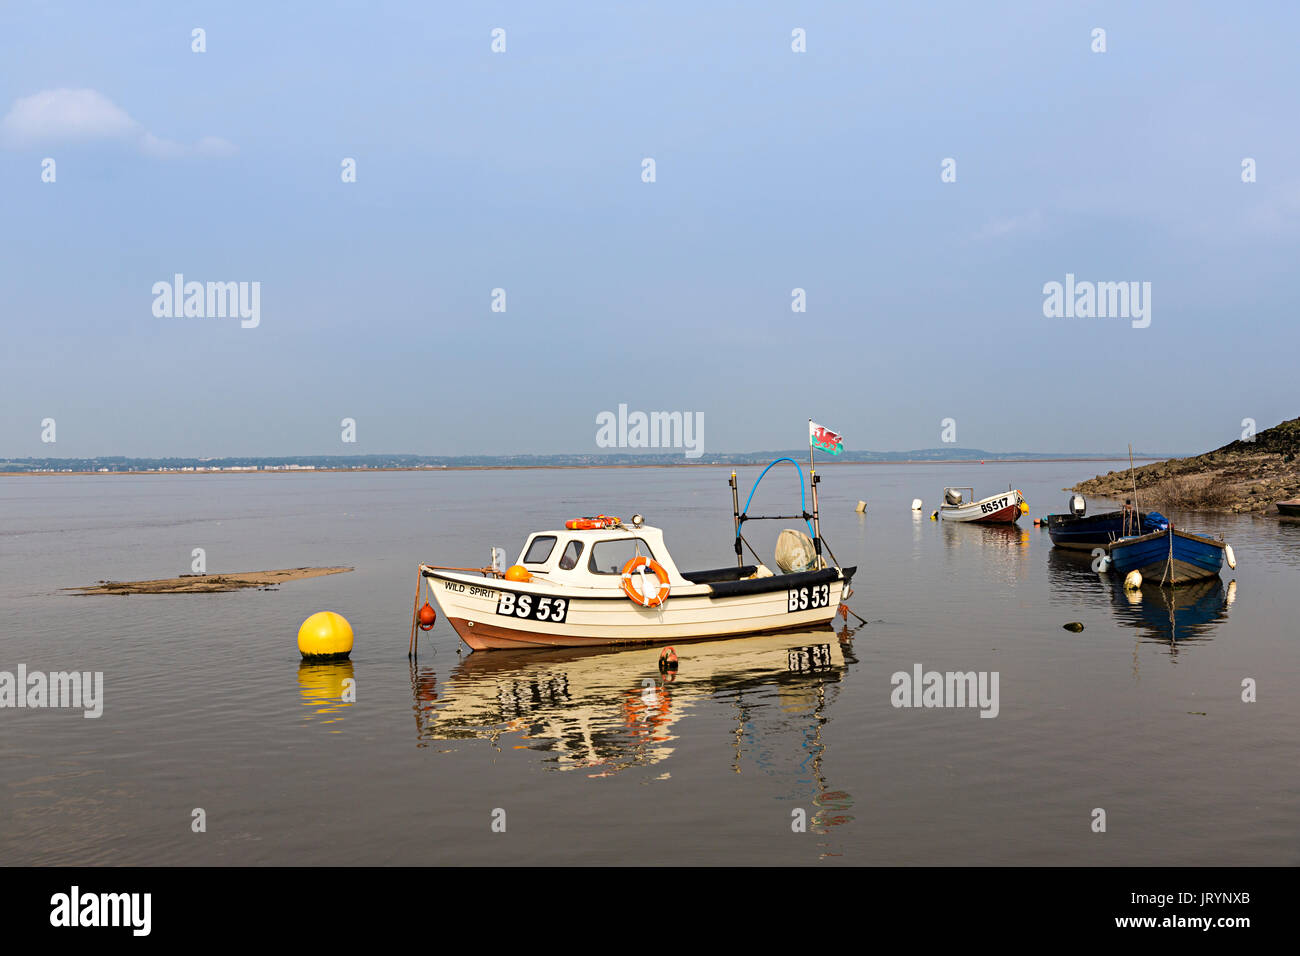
{"points": [[120, 464], [1242, 476]]}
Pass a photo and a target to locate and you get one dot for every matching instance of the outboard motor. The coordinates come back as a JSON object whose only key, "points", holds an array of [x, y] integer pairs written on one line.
{"points": [[1078, 507], [952, 496]]}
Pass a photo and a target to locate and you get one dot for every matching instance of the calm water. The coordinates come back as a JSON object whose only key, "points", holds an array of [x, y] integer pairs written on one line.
{"points": [[207, 705]]}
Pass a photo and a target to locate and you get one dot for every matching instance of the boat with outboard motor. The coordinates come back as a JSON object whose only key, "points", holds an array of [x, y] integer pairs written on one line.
{"points": [[1078, 529], [599, 581], [1004, 508]]}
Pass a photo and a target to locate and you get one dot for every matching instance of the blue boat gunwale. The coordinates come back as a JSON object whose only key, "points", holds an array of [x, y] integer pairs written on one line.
{"points": [[1143, 538], [1182, 556]]}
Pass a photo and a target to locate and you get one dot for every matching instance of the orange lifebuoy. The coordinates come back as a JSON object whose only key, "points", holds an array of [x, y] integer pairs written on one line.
{"points": [[590, 524], [629, 588]]}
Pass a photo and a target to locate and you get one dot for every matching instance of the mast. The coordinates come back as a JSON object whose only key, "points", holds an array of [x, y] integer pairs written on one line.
{"points": [[1137, 522], [735, 518], [812, 481]]}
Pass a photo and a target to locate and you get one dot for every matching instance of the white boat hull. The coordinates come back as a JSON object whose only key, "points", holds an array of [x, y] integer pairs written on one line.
{"points": [[1004, 508], [490, 614]]}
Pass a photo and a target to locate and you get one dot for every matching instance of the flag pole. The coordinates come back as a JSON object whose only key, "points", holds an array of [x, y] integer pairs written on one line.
{"points": [[812, 480]]}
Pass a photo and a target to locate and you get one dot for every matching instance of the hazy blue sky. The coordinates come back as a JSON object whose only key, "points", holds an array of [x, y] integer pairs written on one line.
{"points": [[522, 170]]}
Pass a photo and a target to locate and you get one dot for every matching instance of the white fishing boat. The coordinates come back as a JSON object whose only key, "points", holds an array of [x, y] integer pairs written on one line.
{"points": [[598, 581], [959, 504]]}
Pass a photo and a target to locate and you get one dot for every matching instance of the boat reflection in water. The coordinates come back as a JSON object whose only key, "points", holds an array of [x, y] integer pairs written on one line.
{"points": [[602, 711], [1071, 571], [1005, 538], [1176, 617], [323, 690], [1173, 617], [1000, 550]]}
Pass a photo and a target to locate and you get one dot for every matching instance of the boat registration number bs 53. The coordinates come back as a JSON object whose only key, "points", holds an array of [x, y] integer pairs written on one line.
{"points": [[533, 607], [814, 658], [812, 596], [989, 507]]}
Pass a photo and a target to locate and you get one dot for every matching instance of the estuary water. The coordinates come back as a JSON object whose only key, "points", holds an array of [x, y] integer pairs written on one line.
{"points": [[784, 749]]}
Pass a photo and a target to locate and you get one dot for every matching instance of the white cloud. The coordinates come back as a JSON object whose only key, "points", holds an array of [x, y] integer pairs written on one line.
{"points": [[54, 116], [1000, 228], [215, 146], [51, 117], [1280, 213]]}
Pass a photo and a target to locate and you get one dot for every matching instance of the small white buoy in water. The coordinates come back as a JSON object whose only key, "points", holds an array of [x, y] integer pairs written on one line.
{"points": [[1133, 581], [916, 504], [861, 508], [1103, 563], [1232, 558]]}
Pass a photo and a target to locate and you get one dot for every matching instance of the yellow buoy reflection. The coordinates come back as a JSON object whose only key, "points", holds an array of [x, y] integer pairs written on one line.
{"points": [[326, 689]]}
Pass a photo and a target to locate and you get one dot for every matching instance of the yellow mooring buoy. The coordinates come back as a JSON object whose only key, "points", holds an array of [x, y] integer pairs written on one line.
{"points": [[325, 636]]}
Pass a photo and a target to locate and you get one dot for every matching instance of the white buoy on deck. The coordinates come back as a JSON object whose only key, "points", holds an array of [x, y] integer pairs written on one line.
{"points": [[916, 504], [1133, 580]]}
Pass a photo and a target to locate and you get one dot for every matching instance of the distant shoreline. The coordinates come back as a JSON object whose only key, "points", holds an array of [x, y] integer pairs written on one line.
{"points": [[440, 468]]}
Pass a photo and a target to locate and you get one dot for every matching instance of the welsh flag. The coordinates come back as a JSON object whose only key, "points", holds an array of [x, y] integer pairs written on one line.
{"points": [[824, 439]]}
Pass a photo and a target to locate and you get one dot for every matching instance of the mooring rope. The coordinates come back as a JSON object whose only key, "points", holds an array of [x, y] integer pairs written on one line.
{"points": [[1169, 565]]}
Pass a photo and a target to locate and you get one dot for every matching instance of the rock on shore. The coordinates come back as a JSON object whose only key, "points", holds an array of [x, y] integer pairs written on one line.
{"points": [[1241, 477]]}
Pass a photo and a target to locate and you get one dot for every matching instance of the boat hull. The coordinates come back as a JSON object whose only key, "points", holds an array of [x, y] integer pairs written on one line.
{"points": [[487, 636], [995, 509], [1168, 557], [1097, 531], [480, 612], [1289, 508]]}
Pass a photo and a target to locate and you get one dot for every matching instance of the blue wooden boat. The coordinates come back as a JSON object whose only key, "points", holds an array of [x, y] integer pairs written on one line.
{"points": [[1168, 557], [1097, 531]]}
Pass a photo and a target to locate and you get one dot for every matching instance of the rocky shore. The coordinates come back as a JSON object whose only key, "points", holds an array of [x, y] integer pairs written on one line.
{"points": [[1241, 477]]}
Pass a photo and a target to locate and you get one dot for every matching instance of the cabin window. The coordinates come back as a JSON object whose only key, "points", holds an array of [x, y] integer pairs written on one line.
{"points": [[572, 552], [608, 557], [540, 549]]}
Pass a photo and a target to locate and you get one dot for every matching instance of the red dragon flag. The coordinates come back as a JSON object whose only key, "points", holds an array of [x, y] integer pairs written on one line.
{"points": [[824, 439]]}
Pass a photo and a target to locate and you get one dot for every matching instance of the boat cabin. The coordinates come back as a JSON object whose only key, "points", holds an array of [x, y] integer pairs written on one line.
{"points": [[594, 558]]}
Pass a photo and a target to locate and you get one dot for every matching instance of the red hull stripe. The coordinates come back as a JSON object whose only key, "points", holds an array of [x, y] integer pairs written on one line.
{"points": [[1008, 514]]}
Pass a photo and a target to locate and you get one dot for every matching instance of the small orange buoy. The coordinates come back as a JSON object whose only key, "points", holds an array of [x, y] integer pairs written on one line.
{"points": [[519, 573], [427, 617], [668, 659]]}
